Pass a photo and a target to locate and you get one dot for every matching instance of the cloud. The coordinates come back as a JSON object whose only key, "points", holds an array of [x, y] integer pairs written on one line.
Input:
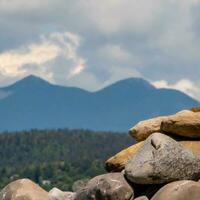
{"points": [[114, 52], [184, 85], [110, 40], [15, 5], [90, 81], [36, 58], [12, 62]]}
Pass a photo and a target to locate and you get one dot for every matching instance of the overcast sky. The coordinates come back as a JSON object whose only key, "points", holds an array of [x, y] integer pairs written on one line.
{"points": [[92, 43]]}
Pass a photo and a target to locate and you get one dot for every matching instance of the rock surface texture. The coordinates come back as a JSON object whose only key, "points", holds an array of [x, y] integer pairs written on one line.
{"points": [[111, 186], [193, 146], [23, 189], [160, 160], [80, 184], [56, 194], [117, 162], [185, 123], [145, 128], [179, 190]]}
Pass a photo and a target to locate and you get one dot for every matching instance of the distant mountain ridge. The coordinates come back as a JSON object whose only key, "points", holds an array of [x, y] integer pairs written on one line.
{"points": [[35, 103]]}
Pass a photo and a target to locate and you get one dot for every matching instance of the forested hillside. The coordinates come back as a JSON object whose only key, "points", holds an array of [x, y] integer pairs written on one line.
{"points": [[57, 157]]}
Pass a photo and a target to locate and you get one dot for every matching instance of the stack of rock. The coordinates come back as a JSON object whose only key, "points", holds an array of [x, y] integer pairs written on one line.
{"points": [[163, 165]]}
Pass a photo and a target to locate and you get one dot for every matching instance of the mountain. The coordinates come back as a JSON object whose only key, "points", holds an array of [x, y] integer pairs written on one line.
{"points": [[35, 103]]}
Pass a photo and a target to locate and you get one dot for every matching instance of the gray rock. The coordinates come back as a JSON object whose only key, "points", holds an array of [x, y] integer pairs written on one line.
{"points": [[160, 160], [179, 190], [56, 194], [106, 187]]}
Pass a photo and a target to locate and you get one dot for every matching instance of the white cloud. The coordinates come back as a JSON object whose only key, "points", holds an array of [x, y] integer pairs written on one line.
{"points": [[36, 58], [184, 85], [78, 69], [11, 62], [122, 38]]}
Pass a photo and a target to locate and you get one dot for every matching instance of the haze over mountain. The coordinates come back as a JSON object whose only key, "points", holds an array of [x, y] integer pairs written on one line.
{"points": [[35, 103]]}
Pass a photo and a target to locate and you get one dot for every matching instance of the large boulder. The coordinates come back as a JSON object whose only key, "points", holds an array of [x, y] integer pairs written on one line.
{"points": [[145, 128], [118, 161], [23, 189], [56, 194], [185, 123], [108, 186], [160, 160], [179, 190]]}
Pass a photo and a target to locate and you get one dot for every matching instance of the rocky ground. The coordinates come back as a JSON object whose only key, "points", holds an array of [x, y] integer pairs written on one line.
{"points": [[163, 165]]}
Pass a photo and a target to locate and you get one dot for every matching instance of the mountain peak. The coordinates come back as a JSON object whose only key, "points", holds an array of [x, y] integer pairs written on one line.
{"points": [[29, 82], [133, 83], [32, 78]]}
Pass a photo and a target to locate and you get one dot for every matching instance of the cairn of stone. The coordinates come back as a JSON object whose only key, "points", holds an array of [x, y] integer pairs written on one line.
{"points": [[164, 164]]}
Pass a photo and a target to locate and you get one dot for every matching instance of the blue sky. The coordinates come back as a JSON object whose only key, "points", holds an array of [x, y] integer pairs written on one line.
{"points": [[92, 43]]}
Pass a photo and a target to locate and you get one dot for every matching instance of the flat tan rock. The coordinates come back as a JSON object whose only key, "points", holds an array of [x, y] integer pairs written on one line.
{"points": [[194, 146], [196, 109], [144, 129], [118, 161], [23, 189], [185, 123]]}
